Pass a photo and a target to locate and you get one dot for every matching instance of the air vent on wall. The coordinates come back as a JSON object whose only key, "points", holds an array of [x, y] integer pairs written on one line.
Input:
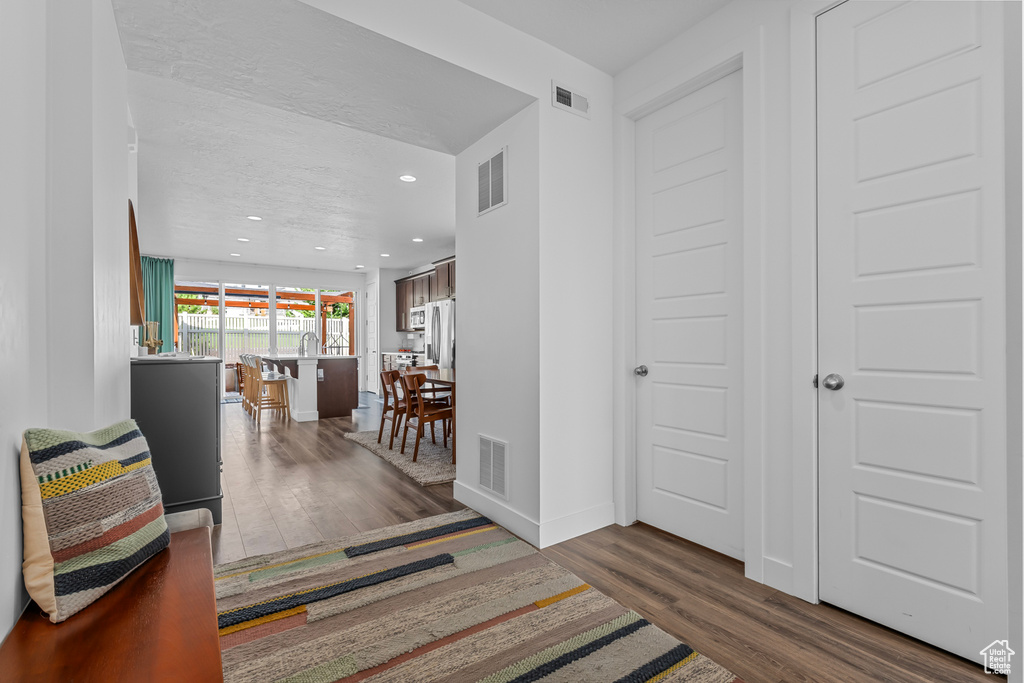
{"points": [[493, 182], [570, 100], [493, 465]]}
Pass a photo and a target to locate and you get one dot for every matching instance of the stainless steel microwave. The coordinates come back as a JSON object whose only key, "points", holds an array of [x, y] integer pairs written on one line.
{"points": [[418, 316]]}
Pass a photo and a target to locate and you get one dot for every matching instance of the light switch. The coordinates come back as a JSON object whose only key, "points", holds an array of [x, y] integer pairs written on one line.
{"points": [[319, 374]]}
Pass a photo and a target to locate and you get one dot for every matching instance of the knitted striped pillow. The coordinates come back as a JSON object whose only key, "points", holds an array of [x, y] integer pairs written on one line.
{"points": [[92, 513]]}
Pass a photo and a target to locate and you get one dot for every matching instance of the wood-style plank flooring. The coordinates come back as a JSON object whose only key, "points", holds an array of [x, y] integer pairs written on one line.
{"points": [[287, 484]]}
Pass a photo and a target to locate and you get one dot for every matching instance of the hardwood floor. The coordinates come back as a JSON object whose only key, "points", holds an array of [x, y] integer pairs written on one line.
{"points": [[287, 484], [290, 483]]}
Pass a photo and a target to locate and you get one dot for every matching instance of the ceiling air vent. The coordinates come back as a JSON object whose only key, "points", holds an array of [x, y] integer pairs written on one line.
{"points": [[493, 183], [494, 466], [570, 100]]}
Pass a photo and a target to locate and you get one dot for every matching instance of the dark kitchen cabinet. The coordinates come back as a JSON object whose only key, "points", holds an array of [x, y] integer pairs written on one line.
{"points": [[432, 286], [419, 291], [444, 273], [412, 292], [442, 281], [403, 302]]}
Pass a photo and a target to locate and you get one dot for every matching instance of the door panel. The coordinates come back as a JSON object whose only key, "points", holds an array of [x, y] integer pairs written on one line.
{"points": [[443, 283], [689, 317], [911, 290]]}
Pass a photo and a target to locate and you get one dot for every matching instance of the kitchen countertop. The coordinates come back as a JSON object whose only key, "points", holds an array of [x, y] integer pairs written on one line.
{"points": [[398, 353], [294, 356], [184, 358]]}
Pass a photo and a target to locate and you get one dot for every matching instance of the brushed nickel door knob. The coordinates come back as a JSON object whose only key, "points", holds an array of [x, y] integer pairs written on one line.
{"points": [[833, 382]]}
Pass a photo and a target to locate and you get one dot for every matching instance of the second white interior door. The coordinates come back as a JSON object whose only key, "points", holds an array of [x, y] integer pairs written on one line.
{"points": [[689, 199], [911, 285]]}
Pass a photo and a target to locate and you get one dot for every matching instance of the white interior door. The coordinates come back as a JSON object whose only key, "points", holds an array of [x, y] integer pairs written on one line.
{"points": [[689, 200], [372, 351], [911, 285]]}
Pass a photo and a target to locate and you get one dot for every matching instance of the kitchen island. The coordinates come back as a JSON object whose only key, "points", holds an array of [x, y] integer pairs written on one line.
{"points": [[319, 386]]}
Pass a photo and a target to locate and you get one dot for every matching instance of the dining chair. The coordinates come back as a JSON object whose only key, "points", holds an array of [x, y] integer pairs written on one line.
{"points": [[239, 378], [438, 392], [425, 411], [252, 383], [394, 406], [247, 381]]}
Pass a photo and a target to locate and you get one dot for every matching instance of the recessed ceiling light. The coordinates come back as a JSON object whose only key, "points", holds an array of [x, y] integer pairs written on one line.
{"points": [[417, 239], [254, 218], [319, 248], [359, 266], [385, 255], [243, 239], [407, 178], [236, 254]]}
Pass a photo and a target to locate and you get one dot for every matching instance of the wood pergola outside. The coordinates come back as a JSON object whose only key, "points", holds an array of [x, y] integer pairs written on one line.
{"points": [[294, 301]]}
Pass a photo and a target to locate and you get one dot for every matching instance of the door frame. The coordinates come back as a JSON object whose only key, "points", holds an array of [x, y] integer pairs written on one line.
{"points": [[803, 165], [362, 323], [745, 53]]}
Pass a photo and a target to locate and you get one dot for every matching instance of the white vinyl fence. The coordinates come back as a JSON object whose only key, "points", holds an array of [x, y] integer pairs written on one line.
{"points": [[199, 334]]}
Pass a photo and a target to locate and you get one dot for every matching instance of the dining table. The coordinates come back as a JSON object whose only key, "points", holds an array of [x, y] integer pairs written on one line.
{"points": [[444, 377]]}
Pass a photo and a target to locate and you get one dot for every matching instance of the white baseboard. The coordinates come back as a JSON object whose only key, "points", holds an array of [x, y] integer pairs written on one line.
{"points": [[499, 511], [537, 534], [306, 415], [576, 524], [778, 575]]}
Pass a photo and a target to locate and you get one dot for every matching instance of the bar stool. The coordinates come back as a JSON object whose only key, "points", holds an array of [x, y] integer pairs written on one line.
{"points": [[270, 390]]}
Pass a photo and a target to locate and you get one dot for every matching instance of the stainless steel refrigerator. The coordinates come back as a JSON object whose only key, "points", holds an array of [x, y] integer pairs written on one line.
{"points": [[440, 334]]}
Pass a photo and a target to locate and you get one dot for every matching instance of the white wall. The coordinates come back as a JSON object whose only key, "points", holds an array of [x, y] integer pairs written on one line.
{"points": [[575, 284], [112, 167], [64, 177], [69, 216], [497, 257], [87, 215], [22, 269], [252, 274], [573, 261]]}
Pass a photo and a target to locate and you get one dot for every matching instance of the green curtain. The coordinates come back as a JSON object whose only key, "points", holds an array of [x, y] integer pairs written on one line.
{"points": [[158, 285]]}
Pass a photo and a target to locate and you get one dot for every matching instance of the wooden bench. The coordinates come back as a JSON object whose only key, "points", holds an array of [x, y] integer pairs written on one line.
{"points": [[159, 624]]}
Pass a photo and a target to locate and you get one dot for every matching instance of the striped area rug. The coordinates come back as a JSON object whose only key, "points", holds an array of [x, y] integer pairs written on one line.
{"points": [[448, 598]]}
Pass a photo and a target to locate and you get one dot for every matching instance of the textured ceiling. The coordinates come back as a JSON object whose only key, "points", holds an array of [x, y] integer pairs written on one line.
{"points": [[274, 108], [288, 55], [608, 34], [208, 160]]}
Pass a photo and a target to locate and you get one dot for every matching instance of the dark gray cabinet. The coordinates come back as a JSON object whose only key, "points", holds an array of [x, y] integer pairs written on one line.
{"points": [[176, 404]]}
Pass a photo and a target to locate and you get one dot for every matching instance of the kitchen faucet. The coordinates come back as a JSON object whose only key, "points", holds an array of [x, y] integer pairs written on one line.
{"points": [[306, 343]]}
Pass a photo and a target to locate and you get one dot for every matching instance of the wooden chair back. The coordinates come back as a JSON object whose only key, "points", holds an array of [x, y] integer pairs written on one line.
{"points": [[387, 383], [393, 409], [419, 368], [412, 382]]}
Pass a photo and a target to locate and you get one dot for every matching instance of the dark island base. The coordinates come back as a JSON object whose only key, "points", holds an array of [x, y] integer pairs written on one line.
{"points": [[337, 394]]}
